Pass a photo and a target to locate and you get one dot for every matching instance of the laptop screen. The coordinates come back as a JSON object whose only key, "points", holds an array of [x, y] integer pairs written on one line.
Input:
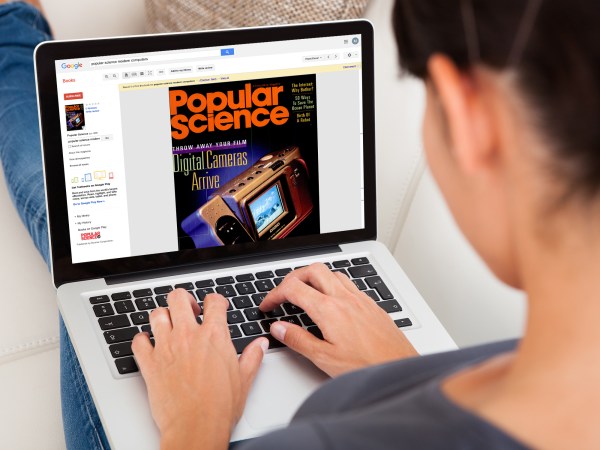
{"points": [[211, 146]]}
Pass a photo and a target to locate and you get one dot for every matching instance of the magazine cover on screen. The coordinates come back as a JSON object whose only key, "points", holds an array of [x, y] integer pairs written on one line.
{"points": [[245, 160]]}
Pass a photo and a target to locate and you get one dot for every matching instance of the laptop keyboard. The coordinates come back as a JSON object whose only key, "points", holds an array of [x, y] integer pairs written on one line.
{"points": [[121, 315]]}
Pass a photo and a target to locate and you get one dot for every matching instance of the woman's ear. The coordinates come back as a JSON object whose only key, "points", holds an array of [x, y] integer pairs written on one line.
{"points": [[467, 114]]}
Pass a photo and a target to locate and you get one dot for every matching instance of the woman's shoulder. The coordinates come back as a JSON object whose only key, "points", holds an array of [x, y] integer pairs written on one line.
{"points": [[365, 386], [395, 405]]}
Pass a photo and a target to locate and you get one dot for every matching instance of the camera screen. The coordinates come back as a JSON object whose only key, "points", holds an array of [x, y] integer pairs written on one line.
{"points": [[267, 208]]}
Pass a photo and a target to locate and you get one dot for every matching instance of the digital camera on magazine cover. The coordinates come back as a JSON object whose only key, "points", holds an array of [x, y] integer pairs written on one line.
{"points": [[267, 201]]}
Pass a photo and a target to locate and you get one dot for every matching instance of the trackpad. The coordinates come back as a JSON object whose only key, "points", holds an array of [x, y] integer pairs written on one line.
{"points": [[283, 382]]}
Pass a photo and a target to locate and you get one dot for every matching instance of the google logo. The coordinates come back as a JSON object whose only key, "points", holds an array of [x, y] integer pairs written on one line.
{"points": [[71, 66]]}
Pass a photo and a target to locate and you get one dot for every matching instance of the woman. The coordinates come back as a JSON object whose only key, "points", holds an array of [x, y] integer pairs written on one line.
{"points": [[511, 134]]}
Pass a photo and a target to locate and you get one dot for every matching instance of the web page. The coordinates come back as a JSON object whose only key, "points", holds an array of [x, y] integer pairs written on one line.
{"points": [[207, 147]]}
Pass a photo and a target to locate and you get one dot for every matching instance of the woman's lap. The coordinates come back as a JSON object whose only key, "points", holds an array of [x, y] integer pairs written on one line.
{"points": [[21, 29]]}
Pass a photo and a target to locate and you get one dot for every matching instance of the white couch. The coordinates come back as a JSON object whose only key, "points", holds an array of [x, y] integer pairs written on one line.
{"points": [[413, 222]]}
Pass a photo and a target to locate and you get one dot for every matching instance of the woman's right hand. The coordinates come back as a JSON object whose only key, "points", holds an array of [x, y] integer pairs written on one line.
{"points": [[357, 333]]}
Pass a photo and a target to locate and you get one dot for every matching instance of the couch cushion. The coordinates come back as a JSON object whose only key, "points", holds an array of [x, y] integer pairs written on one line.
{"points": [[30, 414], [29, 321]]}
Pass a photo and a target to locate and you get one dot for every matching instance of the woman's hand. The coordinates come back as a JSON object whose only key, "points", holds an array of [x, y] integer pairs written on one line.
{"points": [[197, 387], [357, 332]]}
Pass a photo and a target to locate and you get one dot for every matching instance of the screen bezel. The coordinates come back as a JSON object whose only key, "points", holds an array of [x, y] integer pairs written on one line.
{"points": [[47, 53]]}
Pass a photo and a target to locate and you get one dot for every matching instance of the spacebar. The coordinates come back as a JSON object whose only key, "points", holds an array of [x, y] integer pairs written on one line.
{"points": [[241, 343]]}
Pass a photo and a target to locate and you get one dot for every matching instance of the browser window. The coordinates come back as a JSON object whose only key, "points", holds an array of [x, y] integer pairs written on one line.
{"points": [[205, 147]]}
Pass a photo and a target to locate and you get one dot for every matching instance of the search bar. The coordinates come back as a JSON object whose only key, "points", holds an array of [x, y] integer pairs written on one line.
{"points": [[188, 55]]}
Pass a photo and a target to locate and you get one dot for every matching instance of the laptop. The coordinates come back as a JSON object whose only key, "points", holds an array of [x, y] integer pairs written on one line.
{"points": [[214, 162]]}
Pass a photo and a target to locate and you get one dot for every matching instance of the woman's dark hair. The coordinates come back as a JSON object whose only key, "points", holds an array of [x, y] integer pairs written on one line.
{"points": [[557, 66]]}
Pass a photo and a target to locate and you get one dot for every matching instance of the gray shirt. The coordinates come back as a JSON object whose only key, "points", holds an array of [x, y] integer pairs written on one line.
{"points": [[397, 405]]}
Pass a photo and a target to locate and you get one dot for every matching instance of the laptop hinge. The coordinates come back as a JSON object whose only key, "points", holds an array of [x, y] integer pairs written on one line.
{"points": [[216, 265]]}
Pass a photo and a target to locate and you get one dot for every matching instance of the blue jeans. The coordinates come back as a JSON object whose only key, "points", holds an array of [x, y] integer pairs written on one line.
{"points": [[22, 27]]}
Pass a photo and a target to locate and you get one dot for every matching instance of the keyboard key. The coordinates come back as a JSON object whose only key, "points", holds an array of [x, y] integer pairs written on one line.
{"points": [[378, 284], [99, 299], [244, 277], [234, 331], [278, 281], [360, 284], [265, 274], [373, 294], [340, 264], [245, 288], [142, 293], [126, 365], [186, 286], [226, 291], [241, 343], [307, 321], [163, 290], [205, 284], [390, 306], [254, 314], [199, 320], [250, 329], [121, 296], [120, 335], [242, 302], [290, 308], [125, 306], [104, 309], [119, 350], [403, 322], [316, 332], [341, 271], [266, 324], [203, 292], [140, 318], [328, 265], [264, 285], [225, 280], [162, 300], [258, 298], [276, 312], [110, 322], [362, 271], [147, 329], [292, 319], [359, 261], [235, 317], [283, 272], [145, 303]]}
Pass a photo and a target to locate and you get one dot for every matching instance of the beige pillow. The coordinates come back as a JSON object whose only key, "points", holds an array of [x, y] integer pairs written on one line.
{"points": [[189, 15]]}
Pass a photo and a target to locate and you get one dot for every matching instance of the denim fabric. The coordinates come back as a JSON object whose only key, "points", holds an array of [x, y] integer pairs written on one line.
{"points": [[22, 27]]}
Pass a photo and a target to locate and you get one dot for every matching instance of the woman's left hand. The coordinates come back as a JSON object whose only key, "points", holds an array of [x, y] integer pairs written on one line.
{"points": [[197, 387]]}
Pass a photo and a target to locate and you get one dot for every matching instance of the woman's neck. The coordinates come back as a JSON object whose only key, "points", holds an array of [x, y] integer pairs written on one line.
{"points": [[546, 394]]}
